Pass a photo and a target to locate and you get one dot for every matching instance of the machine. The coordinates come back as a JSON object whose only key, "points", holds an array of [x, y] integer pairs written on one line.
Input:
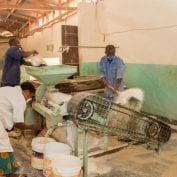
{"points": [[50, 103], [94, 113], [91, 112]]}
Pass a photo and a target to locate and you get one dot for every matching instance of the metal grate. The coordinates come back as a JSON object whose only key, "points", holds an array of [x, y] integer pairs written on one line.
{"points": [[95, 113]]}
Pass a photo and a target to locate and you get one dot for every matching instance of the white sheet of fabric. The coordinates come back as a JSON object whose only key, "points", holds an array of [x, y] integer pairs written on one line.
{"points": [[132, 98], [12, 107], [36, 60]]}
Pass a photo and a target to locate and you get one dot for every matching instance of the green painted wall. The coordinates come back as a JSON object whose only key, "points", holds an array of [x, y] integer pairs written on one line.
{"points": [[159, 83], [90, 68]]}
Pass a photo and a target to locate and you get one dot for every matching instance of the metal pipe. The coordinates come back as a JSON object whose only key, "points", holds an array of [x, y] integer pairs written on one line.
{"points": [[84, 46], [85, 153]]}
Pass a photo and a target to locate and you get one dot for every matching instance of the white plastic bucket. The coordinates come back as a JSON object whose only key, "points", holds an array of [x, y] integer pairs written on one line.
{"points": [[66, 166], [51, 150], [38, 145]]}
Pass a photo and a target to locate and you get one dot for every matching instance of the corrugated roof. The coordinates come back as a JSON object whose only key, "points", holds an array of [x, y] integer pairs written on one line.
{"points": [[18, 16]]}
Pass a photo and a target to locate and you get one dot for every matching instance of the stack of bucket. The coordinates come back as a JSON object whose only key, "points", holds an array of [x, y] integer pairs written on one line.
{"points": [[38, 145], [54, 158], [52, 150]]}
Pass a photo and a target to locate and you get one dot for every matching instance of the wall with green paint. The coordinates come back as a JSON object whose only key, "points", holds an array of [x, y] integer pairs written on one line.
{"points": [[89, 68], [158, 82]]}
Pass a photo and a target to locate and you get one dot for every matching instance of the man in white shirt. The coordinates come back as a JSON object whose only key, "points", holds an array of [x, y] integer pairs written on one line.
{"points": [[12, 107]]}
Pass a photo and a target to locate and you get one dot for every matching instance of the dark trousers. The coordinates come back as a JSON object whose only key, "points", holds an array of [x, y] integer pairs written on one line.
{"points": [[7, 84]]}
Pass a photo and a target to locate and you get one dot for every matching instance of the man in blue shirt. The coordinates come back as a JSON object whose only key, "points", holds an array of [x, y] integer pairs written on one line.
{"points": [[14, 57], [111, 70]]}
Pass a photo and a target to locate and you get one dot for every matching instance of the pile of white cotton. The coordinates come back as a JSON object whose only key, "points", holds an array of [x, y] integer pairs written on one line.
{"points": [[132, 98]]}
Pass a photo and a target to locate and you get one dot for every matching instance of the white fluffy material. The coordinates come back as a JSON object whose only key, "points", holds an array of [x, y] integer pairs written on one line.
{"points": [[132, 98], [36, 60]]}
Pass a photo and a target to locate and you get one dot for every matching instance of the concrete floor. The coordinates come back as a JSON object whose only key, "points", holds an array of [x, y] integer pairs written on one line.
{"points": [[132, 161], [137, 161]]}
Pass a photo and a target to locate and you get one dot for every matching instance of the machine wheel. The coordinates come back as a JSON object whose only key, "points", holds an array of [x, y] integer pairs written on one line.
{"points": [[153, 130], [85, 110]]}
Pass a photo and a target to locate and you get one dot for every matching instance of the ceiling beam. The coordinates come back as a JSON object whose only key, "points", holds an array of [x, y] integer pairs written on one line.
{"points": [[35, 8], [59, 18], [59, 3], [11, 21], [55, 20], [27, 23], [3, 42], [44, 3], [13, 10], [24, 16], [11, 29]]}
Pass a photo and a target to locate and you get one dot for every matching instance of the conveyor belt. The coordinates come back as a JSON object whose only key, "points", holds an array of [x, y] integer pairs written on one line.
{"points": [[95, 113]]}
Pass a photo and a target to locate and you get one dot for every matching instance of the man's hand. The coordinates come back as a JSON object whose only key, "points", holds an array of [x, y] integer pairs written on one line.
{"points": [[105, 82], [35, 127], [114, 90], [24, 126], [29, 53]]}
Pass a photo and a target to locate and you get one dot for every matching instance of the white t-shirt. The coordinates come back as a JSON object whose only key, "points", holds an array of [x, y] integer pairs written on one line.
{"points": [[12, 107]]}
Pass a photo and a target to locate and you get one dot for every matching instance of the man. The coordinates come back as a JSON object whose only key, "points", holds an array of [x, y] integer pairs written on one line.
{"points": [[111, 70], [14, 57], [12, 106]]}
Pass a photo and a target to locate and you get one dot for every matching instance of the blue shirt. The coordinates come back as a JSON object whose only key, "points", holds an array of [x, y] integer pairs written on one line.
{"points": [[111, 71], [11, 66]]}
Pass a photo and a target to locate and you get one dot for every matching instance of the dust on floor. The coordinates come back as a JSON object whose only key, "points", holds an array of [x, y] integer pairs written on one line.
{"points": [[132, 161]]}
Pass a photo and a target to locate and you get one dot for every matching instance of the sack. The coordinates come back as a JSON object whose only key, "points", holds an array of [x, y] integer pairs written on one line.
{"points": [[36, 60]]}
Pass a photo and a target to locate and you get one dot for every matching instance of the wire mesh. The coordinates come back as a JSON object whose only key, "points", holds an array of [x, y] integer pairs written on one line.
{"points": [[95, 113]]}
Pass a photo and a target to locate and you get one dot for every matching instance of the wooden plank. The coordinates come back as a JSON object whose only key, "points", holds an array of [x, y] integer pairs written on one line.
{"points": [[77, 85], [101, 152]]}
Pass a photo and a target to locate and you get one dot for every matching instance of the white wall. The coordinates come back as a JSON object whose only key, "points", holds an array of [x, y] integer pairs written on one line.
{"points": [[3, 48], [49, 36], [144, 30]]}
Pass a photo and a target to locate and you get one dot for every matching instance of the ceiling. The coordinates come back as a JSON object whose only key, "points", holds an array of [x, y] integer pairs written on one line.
{"points": [[21, 17]]}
